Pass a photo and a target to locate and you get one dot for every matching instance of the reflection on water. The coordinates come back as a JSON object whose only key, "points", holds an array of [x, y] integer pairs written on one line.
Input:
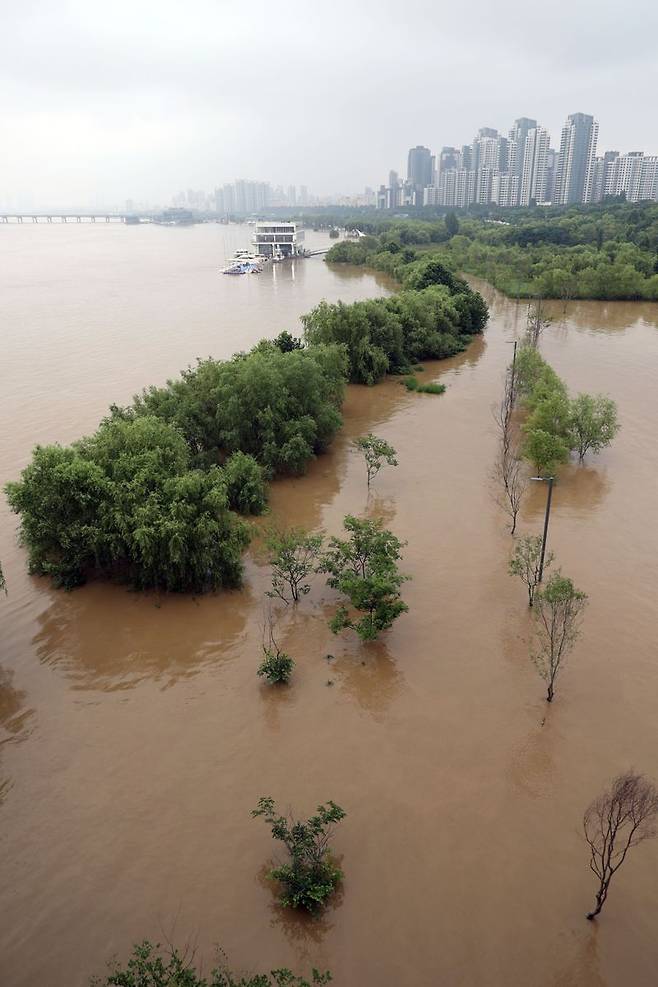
{"points": [[579, 490], [15, 720], [303, 931], [583, 969], [368, 674], [106, 638], [532, 765]]}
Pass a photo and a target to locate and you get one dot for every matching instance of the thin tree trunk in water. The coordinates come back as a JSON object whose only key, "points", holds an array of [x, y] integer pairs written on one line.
{"points": [[513, 524], [600, 899], [550, 693]]}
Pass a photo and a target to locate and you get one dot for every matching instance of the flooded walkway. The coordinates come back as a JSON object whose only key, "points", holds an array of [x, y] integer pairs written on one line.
{"points": [[138, 737]]}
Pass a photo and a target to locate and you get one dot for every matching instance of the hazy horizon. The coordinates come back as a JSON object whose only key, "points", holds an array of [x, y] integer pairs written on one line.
{"points": [[139, 101]]}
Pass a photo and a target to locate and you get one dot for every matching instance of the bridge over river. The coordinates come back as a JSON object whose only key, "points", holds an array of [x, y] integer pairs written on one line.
{"points": [[66, 218]]}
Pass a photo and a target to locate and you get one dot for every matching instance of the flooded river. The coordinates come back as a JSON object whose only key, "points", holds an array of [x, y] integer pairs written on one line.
{"points": [[137, 736]]}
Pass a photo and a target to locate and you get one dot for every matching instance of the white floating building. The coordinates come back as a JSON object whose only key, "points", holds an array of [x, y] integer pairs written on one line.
{"points": [[277, 240]]}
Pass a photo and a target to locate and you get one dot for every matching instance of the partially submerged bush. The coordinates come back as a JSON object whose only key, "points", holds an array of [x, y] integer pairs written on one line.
{"points": [[413, 384], [276, 666], [364, 568], [151, 966], [310, 877]]}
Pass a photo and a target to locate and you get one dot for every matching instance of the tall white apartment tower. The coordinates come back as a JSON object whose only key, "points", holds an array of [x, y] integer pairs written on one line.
{"points": [[533, 172], [574, 176]]}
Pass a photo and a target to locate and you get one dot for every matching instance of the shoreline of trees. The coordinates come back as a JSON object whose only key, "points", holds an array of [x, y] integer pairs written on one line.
{"points": [[154, 496], [605, 252]]}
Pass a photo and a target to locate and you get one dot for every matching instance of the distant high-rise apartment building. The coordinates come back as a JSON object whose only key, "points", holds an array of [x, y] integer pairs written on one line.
{"points": [[448, 158], [489, 150], [517, 139], [575, 167], [419, 170], [633, 175], [533, 172]]}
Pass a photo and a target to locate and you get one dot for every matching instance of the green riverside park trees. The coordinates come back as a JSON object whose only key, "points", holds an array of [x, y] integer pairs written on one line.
{"points": [[607, 250], [555, 424], [433, 317], [364, 568], [152, 495]]}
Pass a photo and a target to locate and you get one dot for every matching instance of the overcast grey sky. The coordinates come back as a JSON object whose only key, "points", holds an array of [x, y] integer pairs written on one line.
{"points": [[140, 98]]}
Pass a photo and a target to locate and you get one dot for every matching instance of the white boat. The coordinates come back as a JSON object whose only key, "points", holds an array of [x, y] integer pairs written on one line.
{"points": [[242, 267]]}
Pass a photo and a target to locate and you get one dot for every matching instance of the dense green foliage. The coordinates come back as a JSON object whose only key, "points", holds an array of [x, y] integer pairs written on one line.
{"points": [[150, 966], [279, 407], [608, 250], [311, 876], [126, 498], [246, 487], [433, 317], [593, 423], [556, 425], [293, 555], [150, 495], [364, 568]]}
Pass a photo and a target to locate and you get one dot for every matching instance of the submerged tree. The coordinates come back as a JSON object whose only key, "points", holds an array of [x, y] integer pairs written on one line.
{"points": [[593, 423], [537, 322], [3, 584], [525, 563], [617, 820], [152, 966], [310, 876], [276, 665], [294, 553], [510, 478], [376, 453], [364, 568], [559, 608]]}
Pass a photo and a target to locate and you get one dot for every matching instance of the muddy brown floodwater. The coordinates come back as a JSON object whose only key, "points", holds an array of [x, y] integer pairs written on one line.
{"points": [[138, 736]]}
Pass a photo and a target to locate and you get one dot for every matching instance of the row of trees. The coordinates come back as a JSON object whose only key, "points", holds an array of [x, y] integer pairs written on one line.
{"points": [[627, 813], [555, 424]]}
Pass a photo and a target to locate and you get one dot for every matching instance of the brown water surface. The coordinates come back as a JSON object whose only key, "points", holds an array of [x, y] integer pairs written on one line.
{"points": [[137, 736]]}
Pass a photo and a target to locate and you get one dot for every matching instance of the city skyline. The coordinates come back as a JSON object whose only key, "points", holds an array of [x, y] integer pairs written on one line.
{"points": [[139, 101], [522, 169]]}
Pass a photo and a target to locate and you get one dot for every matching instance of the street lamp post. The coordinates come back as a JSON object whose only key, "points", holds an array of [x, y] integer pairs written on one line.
{"points": [[549, 480]]}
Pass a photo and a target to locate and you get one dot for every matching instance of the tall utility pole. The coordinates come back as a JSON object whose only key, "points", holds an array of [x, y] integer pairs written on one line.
{"points": [[549, 480]]}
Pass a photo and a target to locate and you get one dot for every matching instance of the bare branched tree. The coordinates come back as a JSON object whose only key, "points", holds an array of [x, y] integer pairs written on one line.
{"points": [[508, 471], [537, 322], [509, 475], [617, 820], [559, 609], [503, 412]]}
